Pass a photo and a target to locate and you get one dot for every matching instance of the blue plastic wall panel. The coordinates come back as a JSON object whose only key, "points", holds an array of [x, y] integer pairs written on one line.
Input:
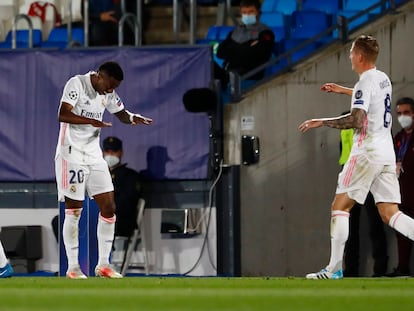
{"points": [[31, 86]]}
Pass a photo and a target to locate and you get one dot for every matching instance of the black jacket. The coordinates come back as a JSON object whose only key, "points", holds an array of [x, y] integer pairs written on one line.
{"points": [[238, 52], [127, 191]]}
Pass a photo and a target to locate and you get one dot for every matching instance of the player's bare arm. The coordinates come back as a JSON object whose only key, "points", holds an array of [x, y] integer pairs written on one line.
{"points": [[336, 88], [132, 118], [66, 115], [351, 120]]}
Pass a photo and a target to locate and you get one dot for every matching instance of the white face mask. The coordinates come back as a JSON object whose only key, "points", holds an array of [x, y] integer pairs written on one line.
{"points": [[112, 160], [405, 121]]}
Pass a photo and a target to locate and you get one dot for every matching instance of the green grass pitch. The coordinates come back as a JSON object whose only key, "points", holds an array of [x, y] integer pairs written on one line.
{"points": [[206, 293]]}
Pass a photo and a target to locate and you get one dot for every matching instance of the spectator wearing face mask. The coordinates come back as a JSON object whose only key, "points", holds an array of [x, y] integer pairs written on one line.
{"points": [[404, 150], [248, 46], [127, 187]]}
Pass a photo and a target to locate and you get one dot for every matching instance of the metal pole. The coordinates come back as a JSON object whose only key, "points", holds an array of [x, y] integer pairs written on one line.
{"points": [[193, 21], [86, 22], [14, 30], [69, 28]]}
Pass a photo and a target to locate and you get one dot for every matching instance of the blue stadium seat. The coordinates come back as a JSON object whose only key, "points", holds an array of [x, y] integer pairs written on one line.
{"points": [[327, 6], [212, 33], [223, 32], [58, 38], [306, 24], [353, 7], [286, 7], [268, 6], [273, 19], [22, 39]]}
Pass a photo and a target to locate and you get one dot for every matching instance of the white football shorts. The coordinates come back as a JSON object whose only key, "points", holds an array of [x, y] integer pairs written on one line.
{"points": [[75, 180], [359, 176]]}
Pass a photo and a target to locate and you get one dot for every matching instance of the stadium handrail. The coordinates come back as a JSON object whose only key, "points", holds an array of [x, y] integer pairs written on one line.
{"points": [[14, 30]]}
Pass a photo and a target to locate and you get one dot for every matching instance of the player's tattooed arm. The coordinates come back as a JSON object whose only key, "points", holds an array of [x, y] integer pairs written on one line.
{"points": [[354, 119]]}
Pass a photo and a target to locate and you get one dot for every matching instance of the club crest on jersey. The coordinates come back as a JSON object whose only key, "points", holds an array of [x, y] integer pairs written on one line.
{"points": [[73, 189], [73, 95], [118, 101], [358, 94]]}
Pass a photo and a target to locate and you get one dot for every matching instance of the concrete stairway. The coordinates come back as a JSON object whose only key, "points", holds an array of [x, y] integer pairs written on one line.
{"points": [[160, 24]]}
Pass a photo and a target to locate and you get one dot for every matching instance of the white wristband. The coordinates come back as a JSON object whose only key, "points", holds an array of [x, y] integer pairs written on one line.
{"points": [[131, 116]]}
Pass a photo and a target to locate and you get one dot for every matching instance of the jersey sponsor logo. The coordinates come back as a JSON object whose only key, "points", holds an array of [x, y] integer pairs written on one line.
{"points": [[358, 94], [73, 95], [91, 114], [359, 102]]}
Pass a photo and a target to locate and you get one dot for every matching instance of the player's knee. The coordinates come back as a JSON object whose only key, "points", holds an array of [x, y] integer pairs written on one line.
{"points": [[108, 209]]}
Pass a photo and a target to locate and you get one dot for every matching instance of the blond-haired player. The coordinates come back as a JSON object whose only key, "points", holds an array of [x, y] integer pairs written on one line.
{"points": [[371, 164]]}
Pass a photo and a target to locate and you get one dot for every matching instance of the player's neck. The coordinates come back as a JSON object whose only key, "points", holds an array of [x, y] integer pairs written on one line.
{"points": [[94, 78]]}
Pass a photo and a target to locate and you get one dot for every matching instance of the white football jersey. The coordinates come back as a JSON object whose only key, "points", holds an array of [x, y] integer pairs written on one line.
{"points": [[373, 93], [79, 143]]}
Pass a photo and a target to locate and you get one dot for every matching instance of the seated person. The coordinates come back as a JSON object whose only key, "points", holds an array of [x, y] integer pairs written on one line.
{"points": [[248, 46], [127, 187]]}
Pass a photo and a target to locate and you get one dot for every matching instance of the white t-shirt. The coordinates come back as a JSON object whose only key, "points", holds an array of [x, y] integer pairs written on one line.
{"points": [[79, 143], [373, 93]]}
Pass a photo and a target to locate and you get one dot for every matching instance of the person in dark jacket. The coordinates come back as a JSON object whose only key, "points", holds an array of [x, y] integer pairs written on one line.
{"points": [[248, 46], [127, 187], [404, 150], [104, 16]]}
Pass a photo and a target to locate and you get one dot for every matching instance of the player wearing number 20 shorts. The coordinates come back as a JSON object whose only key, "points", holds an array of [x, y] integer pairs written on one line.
{"points": [[79, 164]]}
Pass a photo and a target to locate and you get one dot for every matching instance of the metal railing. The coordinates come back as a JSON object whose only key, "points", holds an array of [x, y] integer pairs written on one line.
{"points": [[178, 7], [128, 17], [14, 30]]}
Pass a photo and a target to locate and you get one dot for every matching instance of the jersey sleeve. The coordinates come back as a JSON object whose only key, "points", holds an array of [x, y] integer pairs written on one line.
{"points": [[114, 103], [72, 91], [361, 95]]}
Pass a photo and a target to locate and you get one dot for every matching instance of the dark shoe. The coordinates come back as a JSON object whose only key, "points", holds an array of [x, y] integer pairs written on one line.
{"points": [[398, 273]]}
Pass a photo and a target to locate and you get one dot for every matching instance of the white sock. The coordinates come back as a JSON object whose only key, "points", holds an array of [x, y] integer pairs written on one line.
{"points": [[3, 258], [70, 234], [339, 235], [403, 224], [105, 233]]}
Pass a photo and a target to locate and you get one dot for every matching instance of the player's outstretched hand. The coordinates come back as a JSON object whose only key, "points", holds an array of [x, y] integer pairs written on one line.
{"points": [[138, 119], [97, 123], [331, 87], [310, 124]]}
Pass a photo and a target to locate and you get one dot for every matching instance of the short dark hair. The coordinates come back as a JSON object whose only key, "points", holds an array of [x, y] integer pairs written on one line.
{"points": [[255, 3], [406, 101], [112, 69]]}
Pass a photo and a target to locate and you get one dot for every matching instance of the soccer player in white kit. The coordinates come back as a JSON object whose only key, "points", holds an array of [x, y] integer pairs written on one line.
{"points": [[79, 164], [371, 164]]}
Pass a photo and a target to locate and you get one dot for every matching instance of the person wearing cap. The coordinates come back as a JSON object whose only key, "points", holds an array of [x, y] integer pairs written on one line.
{"points": [[127, 187]]}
